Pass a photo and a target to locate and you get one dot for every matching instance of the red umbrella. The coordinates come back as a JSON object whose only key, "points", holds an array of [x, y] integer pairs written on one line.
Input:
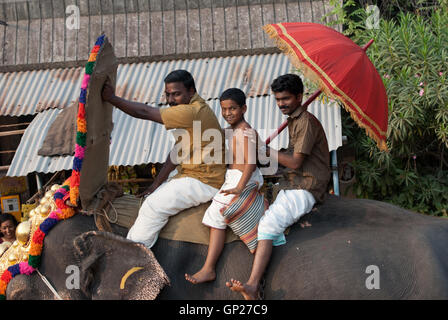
{"points": [[341, 68]]}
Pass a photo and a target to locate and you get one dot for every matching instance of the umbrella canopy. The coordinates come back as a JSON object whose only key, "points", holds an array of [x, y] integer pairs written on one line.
{"points": [[341, 68]]}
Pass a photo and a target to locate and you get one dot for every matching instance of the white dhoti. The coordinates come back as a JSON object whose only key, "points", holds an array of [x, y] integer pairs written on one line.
{"points": [[213, 216], [286, 210], [167, 200]]}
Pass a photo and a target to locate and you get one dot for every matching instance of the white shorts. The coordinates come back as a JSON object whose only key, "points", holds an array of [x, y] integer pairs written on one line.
{"points": [[213, 216], [167, 200], [286, 210]]}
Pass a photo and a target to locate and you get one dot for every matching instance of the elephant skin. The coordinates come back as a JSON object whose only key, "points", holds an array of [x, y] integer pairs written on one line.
{"points": [[328, 258], [329, 254], [102, 258]]}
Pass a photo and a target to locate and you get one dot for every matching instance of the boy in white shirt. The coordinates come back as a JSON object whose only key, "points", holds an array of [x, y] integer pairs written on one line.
{"points": [[241, 172]]}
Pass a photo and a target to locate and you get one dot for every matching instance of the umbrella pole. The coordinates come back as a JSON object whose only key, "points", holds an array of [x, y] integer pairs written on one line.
{"points": [[285, 123], [310, 99]]}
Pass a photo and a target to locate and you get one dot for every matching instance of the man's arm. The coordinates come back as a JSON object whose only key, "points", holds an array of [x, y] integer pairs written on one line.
{"points": [[293, 161], [167, 167], [134, 109]]}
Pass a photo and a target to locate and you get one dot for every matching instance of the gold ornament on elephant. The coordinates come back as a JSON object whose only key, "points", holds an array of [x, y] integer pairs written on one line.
{"points": [[4, 246], [23, 232], [18, 251]]}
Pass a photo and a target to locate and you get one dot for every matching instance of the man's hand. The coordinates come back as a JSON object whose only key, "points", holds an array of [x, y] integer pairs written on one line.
{"points": [[134, 109], [232, 191], [251, 134], [254, 138], [108, 92], [148, 191]]}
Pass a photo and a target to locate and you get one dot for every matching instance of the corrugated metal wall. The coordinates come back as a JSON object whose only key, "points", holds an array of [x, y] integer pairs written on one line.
{"points": [[29, 92], [136, 141], [42, 59]]}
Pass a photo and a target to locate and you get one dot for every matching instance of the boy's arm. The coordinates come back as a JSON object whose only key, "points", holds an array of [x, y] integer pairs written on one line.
{"points": [[249, 165], [134, 109]]}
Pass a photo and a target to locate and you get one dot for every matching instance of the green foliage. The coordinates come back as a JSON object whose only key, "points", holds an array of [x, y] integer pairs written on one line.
{"points": [[349, 15], [410, 52]]}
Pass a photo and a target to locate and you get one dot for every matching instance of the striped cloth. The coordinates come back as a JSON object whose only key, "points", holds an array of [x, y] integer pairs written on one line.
{"points": [[243, 214]]}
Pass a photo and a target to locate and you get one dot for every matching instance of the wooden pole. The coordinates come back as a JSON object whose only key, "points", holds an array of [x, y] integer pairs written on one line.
{"points": [[41, 191]]}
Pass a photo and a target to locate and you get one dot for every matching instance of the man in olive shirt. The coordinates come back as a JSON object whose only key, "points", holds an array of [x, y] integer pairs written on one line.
{"points": [[304, 181], [201, 170]]}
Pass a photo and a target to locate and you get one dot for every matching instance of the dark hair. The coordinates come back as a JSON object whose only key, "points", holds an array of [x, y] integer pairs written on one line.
{"points": [[288, 82], [181, 76], [6, 216], [234, 94]]}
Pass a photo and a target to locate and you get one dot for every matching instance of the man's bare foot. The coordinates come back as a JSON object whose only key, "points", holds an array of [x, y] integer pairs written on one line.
{"points": [[249, 292], [201, 276]]}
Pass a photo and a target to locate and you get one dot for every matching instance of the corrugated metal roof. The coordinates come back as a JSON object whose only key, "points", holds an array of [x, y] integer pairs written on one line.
{"points": [[136, 141], [30, 92]]}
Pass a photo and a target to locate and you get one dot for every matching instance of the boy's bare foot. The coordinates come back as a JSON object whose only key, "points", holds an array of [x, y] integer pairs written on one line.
{"points": [[249, 292], [201, 276]]}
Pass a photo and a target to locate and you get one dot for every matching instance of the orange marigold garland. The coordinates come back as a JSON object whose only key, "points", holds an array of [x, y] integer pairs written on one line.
{"points": [[68, 191]]}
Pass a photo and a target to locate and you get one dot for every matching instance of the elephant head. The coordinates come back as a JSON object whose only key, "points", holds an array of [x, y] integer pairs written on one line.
{"points": [[112, 267]]}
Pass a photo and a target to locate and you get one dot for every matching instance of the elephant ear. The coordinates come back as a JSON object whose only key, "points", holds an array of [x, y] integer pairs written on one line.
{"points": [[103, 255]]}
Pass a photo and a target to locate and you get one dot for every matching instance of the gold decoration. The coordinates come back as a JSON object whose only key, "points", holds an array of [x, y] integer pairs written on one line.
{"points": [[37, 210], [55, 187], [26, 210], [48, 194], [12, 258], [23, 232], [45, 210], [4, 246], [19, 250]]}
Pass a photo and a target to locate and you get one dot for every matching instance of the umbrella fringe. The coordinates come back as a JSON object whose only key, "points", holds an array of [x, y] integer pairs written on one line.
{"points": [[381, 144], [310, 74], [291, 54]]}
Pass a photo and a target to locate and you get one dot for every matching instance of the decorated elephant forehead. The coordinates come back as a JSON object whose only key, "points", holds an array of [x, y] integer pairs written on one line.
{"points": [[24, 255], [127, 275]]}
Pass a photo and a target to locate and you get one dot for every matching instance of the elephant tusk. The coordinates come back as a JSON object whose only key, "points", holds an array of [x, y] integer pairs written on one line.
{"points": [[127, 274]]}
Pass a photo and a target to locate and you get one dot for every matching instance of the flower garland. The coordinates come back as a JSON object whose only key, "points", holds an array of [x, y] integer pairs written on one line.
{"points": [[68, 191]]}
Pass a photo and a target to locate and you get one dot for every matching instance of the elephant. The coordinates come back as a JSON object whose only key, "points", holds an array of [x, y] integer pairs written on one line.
{"points": [[334, 252], [344, 249], [109, 267]]}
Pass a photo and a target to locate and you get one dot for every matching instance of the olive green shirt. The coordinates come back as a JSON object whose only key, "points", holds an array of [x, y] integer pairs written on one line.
{"points": [[307, 136], [203, 154]]}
